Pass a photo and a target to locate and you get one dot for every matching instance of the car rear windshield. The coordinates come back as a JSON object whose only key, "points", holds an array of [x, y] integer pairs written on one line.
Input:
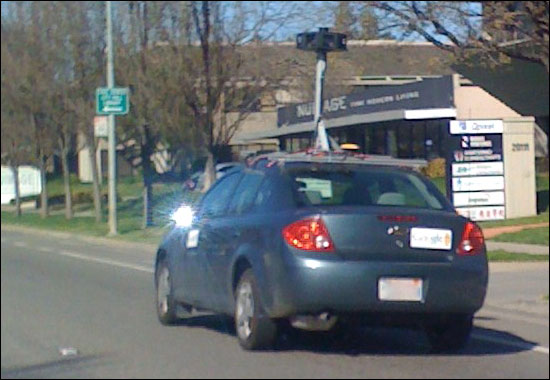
{"points": [[345, 186]]}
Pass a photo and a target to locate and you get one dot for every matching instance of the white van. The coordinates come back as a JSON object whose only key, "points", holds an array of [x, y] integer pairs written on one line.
{"points": [[29, 183]]}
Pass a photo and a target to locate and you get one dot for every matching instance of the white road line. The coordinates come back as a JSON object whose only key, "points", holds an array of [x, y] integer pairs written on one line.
{"points": [[20, 244], [504, 342], [44, 249], [105, 261]]}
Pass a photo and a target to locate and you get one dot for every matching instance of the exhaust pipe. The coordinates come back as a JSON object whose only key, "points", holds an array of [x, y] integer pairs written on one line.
{"points": [[322, 322]]}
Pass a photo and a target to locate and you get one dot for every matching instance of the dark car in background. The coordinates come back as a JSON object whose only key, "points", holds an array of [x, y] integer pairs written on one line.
{"points": [[196, 180], [321, 241]]}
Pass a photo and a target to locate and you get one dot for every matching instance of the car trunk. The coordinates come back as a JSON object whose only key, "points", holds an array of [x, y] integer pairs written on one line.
{"points": [[384, 233]]}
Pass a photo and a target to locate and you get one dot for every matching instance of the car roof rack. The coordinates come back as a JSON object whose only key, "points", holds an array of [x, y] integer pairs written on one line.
{"points": [[326, 150], [316, 156]]}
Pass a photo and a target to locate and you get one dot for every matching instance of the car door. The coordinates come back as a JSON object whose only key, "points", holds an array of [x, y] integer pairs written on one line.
{"points": [[226, 236], [201, 239]]}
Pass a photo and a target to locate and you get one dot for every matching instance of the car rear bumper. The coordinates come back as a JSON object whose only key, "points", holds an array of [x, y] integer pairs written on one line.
{"points": [[313, 286]]}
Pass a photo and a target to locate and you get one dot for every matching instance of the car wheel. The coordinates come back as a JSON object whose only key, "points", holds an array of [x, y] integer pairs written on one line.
{"points": [[166, 305], [255, 330], [449, 333]]}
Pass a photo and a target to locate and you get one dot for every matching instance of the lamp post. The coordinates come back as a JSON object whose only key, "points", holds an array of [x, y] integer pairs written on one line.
{"points": [[111, 120]]}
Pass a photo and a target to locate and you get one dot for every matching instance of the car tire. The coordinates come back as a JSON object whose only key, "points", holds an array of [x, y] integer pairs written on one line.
{"points": [[449, 333], [255, 330], [166, 306]]}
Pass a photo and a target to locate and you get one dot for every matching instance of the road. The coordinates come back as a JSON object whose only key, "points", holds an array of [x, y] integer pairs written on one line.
{"points": [[97, 298]]}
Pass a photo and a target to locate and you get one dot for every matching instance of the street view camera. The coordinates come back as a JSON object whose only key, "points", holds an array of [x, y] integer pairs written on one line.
{"points": [[322, 40]]}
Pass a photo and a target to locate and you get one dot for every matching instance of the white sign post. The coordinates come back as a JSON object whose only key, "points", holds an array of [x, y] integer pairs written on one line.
{"points": [[476, 172]]}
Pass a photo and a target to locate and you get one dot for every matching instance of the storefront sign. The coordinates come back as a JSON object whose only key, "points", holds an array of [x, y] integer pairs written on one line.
{"points": [[492, 198], [426, 94], [483, 213], [469, 127]]}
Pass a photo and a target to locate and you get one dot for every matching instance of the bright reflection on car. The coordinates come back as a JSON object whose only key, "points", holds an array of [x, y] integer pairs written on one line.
{"points": [[183, 216]]}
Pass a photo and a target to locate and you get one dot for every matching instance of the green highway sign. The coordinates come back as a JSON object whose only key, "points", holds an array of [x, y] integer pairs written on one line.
{"points": [[112, 101]]}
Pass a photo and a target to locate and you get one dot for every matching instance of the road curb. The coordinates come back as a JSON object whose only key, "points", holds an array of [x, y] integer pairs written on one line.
{"points": [[85, 238]]}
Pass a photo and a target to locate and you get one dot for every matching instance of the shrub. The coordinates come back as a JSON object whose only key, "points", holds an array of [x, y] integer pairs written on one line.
{"points": [[435, 168], [82, 197]]}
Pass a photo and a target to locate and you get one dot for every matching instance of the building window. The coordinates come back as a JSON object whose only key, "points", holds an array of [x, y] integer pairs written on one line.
{"points": [[404, 140], [367, 139], [391, 141], [433, 140], [418, 139], [379, 140]]}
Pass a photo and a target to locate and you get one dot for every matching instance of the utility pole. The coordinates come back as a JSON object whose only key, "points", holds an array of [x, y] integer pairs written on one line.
{"points": [[112, 127], [321, 42]]}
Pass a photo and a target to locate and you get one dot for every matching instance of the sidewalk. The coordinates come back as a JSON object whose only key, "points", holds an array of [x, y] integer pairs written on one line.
{"points": [[531, 249]]}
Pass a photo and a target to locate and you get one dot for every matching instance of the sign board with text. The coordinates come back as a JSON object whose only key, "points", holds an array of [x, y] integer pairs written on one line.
{"points": [[475, 169], [101, 126], [112, 101]]}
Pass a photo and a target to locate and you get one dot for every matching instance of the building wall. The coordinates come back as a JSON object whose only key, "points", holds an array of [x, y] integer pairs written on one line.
{"points": [[255, 122], [473, 102], [518, 145]]}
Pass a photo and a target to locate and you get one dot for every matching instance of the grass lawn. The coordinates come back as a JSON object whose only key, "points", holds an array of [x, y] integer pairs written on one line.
{"points": [[503, 256], [166, 198], [441, 184], [126, 186], [527, 236], [542, 204]]}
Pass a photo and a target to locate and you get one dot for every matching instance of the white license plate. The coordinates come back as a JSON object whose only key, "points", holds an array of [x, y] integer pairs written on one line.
{"points": [[400, 289], [431, 238]]}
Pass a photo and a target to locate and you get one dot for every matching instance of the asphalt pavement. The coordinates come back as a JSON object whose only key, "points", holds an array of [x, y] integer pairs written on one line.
{"points": [[81, 308]]}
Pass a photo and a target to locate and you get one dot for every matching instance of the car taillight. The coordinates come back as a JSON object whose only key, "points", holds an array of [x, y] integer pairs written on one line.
{"points": [[309, 234], [472, 241]]}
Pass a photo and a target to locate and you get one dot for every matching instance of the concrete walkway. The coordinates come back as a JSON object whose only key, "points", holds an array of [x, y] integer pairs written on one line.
{"points": [[531, 249]]}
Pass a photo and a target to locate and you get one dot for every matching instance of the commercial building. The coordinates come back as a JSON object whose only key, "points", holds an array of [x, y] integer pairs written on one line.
{"points": [[401, 116]]}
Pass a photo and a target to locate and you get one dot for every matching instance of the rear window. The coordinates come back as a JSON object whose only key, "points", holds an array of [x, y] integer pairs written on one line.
{"points": [[363, 187]]}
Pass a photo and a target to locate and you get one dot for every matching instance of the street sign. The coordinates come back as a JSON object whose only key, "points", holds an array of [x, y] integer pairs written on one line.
{"points": [[112, 101]]}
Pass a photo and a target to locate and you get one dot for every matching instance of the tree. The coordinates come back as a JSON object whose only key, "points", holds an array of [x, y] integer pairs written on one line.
{"points": [[492, 30], [345, 19], [369, 25], [14, 141], [156, 119], [84, 48], [28, 31], [220, 75]]}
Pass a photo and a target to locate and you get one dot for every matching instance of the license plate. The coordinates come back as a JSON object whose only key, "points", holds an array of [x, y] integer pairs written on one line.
{"points": [[431, 238], [400, 289]]}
